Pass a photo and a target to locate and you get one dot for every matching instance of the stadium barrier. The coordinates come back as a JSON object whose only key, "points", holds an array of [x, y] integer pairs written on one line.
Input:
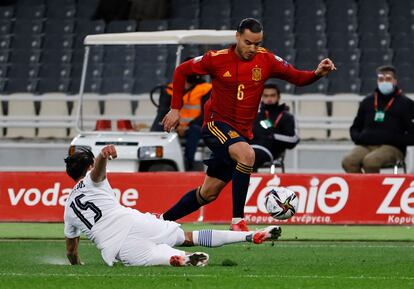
{"points": [[69, 121], [323, 198]]}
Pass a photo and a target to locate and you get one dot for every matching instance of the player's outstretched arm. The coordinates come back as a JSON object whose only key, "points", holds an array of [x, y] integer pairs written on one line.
{"points": [[171, 120], [72, 251], [324, 67], [98, 173]]}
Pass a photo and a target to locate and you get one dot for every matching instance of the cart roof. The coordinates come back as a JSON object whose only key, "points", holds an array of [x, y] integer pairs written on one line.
{"points": [[163, 37]]}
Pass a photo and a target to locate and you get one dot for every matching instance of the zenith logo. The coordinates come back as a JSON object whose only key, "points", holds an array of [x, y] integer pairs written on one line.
{"points": [[227, 74]]}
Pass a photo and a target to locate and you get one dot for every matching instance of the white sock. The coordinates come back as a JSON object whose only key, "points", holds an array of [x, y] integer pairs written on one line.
{"points": [[216, 238], [236, 220]]}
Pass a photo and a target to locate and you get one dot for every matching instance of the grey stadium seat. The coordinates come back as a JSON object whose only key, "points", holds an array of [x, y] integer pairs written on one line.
{"points": [[21, 108], [310, 55], [376, 56], [182, 24], [93, 85], [344, 85], [321, 87], [345, 56], [59, 26], [86, 9], [376, 25], [6, 12], [53, 84], [119, 26], [56, 56], [20, 85], [152, 25], [118, 70], [343, 41], [241, 9], [368, 85], [4, 70], [5, 27], [215, 9], [30, 12], [117, 84], [24, 70], [25, 56], [58, 41], [119, 54], [96, 55], [189, 9], [27, 42], [4, 56], [28, 26], [214, 23], [315, 41], [310, 25], [53, 108], [55, 71], [59, 11]]}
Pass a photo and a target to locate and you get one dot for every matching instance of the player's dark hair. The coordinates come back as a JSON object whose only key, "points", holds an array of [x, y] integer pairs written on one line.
{"points": [[272, 86], [387, 68], [78, 162], [250, 23]]}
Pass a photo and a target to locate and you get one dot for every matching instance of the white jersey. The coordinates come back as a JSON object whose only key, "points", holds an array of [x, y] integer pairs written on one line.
{"points": [[93, 209]]}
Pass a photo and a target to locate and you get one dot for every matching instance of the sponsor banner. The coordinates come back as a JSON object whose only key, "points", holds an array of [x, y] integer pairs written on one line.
{"points": [[323, 198], [329, 199]]}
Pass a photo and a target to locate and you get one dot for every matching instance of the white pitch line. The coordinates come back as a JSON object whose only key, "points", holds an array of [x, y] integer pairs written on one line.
{"points": [[12, 274]]}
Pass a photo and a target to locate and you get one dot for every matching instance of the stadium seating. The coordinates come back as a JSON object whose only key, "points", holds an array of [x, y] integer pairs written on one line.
{"points": [[25, 109], [53, 108], [118, 107], [345, 110], [41, 43], [54, 28], [309, 110]]}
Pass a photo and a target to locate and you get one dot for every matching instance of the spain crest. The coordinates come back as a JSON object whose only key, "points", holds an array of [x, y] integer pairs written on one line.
{"points": [[233, 134], [256, 74]]}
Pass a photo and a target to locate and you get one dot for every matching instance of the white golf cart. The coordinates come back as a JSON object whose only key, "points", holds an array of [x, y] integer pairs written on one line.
{"points": [[137, 150]]}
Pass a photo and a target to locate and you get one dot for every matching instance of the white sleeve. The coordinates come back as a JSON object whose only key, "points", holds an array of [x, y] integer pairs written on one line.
{"points": [[70, 230], [87, 180]]}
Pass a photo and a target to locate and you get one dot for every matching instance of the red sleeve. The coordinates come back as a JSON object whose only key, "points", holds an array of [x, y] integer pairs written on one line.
{"points": [[283, 70], [198, 65]]}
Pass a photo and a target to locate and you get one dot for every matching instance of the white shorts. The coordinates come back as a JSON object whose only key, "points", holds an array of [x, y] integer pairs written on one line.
{"points": [[150, 242]]}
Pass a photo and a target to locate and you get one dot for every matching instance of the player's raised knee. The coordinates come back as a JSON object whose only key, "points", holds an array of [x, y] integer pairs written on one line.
{"points": [[243, 153]]}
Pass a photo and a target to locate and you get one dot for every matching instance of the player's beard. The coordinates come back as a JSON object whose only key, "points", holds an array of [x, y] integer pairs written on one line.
{"points": [[244, 55], [249, 56]]}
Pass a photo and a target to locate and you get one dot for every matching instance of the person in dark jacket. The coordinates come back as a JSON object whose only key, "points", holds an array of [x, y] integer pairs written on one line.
{"points": [[382, 128], [274, 129]]}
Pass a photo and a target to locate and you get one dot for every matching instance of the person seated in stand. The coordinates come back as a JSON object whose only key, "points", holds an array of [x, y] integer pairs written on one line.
{"points": [[197, 92], [382, 128], [274, 128], [125, 234]]}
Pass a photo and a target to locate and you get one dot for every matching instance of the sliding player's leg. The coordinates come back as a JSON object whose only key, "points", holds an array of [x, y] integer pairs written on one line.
{"points": [[217, 238]]}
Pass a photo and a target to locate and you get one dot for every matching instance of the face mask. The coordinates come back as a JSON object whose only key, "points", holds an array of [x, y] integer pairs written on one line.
{"points": [[385, 87]]}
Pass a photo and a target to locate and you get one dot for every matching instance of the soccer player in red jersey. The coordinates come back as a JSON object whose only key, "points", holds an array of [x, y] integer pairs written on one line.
{"points": [[238, 75]]}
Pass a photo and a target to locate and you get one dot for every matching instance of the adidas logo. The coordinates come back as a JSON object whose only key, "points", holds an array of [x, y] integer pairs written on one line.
{"points": [[227, 74]]}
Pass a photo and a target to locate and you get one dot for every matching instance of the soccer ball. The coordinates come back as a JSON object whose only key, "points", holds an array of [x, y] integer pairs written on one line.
{"points": [[281, 203]]}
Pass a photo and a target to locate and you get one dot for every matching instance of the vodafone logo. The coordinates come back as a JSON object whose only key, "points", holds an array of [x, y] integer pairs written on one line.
{"points": [[329, 196], [57, 196]]}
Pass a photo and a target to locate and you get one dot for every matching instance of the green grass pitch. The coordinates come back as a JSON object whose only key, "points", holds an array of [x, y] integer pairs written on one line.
{"points": [[33, 256]]}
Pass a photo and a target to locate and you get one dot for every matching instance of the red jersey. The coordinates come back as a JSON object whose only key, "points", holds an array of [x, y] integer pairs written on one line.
{"points": [[237, 84]]}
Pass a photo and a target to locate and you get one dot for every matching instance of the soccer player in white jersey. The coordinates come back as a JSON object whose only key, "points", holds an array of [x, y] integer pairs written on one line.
{"points": [[125, 234]]}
